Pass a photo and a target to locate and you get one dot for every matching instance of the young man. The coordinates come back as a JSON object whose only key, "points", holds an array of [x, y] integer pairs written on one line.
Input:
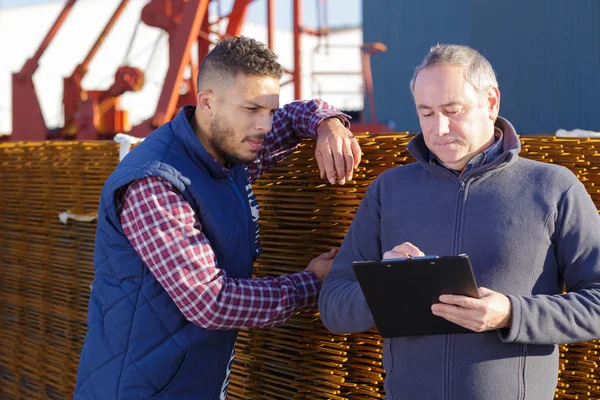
{"points": [[177, 234], [528, 227]]}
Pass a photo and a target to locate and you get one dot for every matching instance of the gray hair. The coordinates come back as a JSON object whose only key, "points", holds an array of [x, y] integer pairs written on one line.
{"points": [[476, 68]]}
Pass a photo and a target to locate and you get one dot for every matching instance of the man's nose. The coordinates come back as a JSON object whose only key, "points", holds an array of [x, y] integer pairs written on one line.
{"points": [[441, 124], [264, 123]]}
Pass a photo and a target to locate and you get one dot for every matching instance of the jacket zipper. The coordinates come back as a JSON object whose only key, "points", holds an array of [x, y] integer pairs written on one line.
{"points": [[392, 367], [461, 200], [524, 364], [237, 191], [447, 379], [244, 205], [461, 192]]}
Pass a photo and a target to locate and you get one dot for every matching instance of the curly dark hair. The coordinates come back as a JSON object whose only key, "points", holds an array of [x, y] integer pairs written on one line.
{"points": [[236, 55]]}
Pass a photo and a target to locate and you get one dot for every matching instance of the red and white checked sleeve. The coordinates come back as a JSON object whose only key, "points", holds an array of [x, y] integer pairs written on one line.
{"points": [[163, 229], [291, 123]]}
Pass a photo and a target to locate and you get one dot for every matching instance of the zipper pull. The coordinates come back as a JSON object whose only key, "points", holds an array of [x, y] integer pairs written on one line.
{"points": [[461, 188]]}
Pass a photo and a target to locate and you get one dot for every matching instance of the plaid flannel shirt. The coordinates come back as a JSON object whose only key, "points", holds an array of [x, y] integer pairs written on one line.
{"points": [[166, 233]]}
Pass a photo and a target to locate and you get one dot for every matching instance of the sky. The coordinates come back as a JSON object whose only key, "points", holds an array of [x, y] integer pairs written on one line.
{"points": [[339, 12], [15, 3]]}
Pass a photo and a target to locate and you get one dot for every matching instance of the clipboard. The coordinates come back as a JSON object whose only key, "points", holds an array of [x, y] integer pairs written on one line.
{"points": [[400, 292]]}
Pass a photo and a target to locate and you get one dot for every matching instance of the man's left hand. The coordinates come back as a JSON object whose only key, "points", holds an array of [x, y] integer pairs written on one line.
{"points": [[337, 152], [492, 310]]}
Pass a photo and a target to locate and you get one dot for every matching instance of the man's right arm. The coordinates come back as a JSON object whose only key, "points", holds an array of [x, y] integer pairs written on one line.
{"points": [[342, 304], [164, 231]]}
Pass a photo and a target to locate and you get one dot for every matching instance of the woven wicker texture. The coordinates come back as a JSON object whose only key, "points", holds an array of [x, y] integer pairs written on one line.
{"points": [[46, 269]]}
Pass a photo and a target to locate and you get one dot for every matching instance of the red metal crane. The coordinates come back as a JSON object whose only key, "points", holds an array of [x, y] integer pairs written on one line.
{"points": [[92, 113], [96, 114], [28, 120]]}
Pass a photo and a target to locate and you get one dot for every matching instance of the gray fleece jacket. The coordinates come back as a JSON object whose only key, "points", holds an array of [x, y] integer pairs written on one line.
{"points": [[528, 227]]}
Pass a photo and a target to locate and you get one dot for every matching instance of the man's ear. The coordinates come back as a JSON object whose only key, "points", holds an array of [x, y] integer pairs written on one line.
{"points": [[493, 97], [206, 100]]}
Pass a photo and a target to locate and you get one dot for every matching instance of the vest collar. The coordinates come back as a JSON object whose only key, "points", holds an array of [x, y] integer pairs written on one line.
{"points": [[183, 131]]}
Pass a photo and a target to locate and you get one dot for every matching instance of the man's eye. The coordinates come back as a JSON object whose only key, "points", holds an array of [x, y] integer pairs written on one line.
{"points": [[426, 115], [251, 109], [452, 112]]}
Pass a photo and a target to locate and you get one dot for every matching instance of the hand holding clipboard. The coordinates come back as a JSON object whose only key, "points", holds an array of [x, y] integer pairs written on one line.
{"points": [[400, 293], [461, 304]]}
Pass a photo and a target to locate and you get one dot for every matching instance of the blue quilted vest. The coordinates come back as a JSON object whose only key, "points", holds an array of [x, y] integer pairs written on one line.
{"points": [[138, 344]]}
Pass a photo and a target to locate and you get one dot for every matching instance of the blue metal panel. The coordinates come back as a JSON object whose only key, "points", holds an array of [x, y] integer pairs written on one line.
{"points": [[546, 54]]}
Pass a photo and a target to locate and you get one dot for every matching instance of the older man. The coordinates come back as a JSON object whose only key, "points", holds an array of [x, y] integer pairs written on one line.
{"points": [[528, 227]]}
